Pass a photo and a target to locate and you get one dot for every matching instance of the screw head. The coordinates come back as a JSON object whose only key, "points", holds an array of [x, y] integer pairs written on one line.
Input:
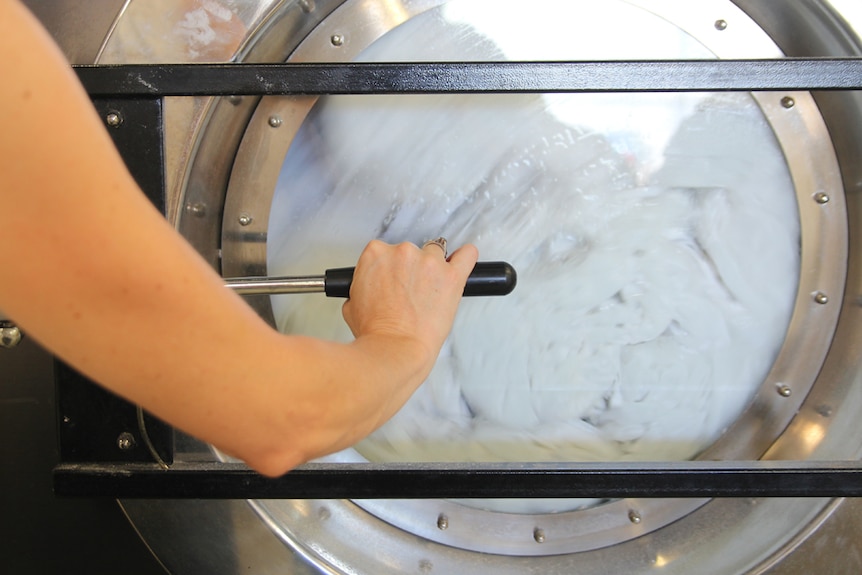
{"points": [[539, 535], [821, 298], [197, 209], [126, 441], [821, 198], [784, 390], [634, 517], [275, 121], [442, 522], [245, 219], [337, 40], [788, 102], [824, 410], [721, 25], [10, 335], [114, 119]]}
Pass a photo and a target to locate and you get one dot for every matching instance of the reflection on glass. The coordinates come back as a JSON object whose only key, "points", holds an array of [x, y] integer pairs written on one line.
{"points": [[655, 236], [851, 12]]}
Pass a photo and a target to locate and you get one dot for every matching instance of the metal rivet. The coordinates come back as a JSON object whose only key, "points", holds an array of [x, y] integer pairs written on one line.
{"points": [[442, 522], [337, 40], [114, 119], [539, 535], [10, 335], [197, 209], [721, 25], [824, 411], [784, 390], [821, 198], [245, 219], [788, 102], [126, 441], [821, 298], [275, 121], [634, 517]]}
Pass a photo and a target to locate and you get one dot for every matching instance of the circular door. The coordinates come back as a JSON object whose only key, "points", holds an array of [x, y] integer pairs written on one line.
{"points": [[682, 261]]}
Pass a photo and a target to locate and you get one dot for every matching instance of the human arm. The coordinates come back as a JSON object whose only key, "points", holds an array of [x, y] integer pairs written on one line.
{"points": [[99, 277]]}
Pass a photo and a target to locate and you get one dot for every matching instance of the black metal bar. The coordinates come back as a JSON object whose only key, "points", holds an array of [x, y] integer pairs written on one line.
{"points": [[472, 77], [94, 424], [697, 479], [136, 127]]}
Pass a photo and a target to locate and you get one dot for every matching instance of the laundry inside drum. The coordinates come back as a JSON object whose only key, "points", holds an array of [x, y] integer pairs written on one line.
{"points": [[656, 239]]}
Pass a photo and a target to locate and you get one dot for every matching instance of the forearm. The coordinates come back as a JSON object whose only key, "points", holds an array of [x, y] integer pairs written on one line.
{"points": [[350, 390]]}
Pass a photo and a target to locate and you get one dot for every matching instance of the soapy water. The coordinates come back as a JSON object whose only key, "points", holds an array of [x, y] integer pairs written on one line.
{"points": [[656, 280]]}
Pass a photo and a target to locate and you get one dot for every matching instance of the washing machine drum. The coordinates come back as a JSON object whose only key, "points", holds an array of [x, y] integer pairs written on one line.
{"points": [[682, 261]]}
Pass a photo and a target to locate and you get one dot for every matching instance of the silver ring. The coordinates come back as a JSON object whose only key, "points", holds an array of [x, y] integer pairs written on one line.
{"points": [[439, 242]]}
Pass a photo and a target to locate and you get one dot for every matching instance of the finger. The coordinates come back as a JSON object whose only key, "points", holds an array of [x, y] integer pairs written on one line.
{"points": [[464, 259]]}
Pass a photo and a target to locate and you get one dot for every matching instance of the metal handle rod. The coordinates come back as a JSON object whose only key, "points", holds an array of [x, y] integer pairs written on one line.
{"points": [[278, 285], [486, 279]]}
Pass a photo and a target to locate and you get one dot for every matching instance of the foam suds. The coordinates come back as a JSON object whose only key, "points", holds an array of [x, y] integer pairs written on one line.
{"points": [[655, 283]]}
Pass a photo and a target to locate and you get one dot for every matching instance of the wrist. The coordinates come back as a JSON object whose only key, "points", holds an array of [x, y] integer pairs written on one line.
{"points": [[409, 358]]}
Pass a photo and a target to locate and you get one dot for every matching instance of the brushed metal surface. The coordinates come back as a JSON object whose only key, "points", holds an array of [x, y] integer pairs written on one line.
{"points": [[66, 19]]}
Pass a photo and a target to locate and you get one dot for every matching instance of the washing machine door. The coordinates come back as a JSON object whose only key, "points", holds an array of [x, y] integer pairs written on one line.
{"points": [[687, 279]]}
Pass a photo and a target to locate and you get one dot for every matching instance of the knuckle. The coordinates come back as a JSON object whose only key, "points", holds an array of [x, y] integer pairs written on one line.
{"points": [[376, 246], [405, 249]]}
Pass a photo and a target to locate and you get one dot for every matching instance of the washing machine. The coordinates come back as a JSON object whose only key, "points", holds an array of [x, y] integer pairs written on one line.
{"points": [[688, 279]]}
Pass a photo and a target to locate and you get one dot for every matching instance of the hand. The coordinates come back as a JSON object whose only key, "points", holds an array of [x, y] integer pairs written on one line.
{"points": [[407, 292]]}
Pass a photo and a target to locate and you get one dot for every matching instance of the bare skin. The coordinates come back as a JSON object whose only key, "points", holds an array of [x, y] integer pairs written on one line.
{"points": [[99, 277]]}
